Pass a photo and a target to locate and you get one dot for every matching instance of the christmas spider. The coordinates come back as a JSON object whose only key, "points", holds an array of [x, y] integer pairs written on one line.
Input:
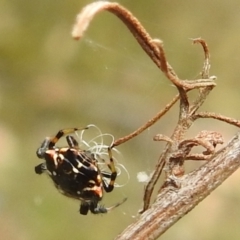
{"points": [[75, 172]]}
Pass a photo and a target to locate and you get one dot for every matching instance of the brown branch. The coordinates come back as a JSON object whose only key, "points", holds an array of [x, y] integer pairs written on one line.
{"points": [[146, 125], [216, 116], [172, 204]]}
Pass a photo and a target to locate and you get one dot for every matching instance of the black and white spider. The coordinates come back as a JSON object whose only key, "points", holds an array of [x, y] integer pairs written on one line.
{"points": [[75, 172]]}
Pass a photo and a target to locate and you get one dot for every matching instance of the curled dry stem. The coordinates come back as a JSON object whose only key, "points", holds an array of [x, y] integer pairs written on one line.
{"points": [[206, 65], [207, 139], [141, 35], [153, 47]]}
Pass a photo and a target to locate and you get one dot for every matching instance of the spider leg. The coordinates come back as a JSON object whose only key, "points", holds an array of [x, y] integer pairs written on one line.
{"points": [[41, 168], [44, 146], [96, 208], [109, 187], [84, 207], [49, 143], [72, 142], [93, 206], [106, 174], [62, 133]]}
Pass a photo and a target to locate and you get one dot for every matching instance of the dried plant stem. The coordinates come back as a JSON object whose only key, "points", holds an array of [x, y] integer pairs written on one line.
{"points": [[206, 65], [146, 125], [172, 204], [219, 117], [184, 123]]}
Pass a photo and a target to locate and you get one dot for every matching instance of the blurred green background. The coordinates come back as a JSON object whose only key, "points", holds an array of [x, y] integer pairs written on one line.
{"points": [[49, 82]]}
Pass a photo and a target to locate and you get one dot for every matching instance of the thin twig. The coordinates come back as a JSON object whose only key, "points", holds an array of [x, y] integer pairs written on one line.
{"points": [[146, 125], [216, 116]]}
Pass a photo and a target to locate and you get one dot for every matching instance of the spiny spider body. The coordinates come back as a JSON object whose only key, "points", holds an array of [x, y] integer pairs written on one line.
{"points": [[75, 172]]}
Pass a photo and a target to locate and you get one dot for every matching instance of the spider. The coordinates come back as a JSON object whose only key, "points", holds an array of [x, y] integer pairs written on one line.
{"points": [[75, 172]]}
